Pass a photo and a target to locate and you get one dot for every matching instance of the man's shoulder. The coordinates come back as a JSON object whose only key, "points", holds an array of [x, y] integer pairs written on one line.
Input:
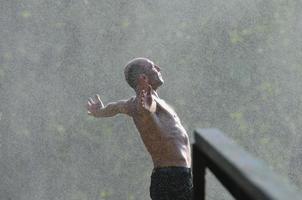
{"points": [[130, 105]]}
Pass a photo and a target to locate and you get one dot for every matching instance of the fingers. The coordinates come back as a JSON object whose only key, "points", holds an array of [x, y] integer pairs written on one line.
{"points": [[143, 101], [94, 105], [149, 90], [143, 94], [90, 104], [90, 100], [142, 98], [90, 109], [97, 101], [98, 98]]}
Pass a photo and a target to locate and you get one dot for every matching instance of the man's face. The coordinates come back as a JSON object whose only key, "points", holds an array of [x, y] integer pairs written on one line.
{"points": [[154, 75]]}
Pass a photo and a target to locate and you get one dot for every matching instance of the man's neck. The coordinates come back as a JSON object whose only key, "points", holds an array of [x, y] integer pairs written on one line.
{"points": [[154, 92]]}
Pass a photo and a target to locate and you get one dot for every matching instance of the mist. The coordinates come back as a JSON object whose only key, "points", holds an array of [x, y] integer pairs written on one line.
{"points": [[232, 65]]}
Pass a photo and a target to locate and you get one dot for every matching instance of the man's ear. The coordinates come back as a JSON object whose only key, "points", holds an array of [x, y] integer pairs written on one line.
{"points": [[143, 81], [143, 78]]}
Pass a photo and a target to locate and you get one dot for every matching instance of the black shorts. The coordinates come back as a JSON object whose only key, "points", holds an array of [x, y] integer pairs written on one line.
{"points": [[171, 183]]}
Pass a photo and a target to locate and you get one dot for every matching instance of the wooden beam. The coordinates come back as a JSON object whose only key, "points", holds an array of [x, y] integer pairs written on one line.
{"points": [[240, 170]]}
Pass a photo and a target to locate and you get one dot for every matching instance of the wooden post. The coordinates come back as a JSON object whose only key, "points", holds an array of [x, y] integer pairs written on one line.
{"points": [[199, 169], [244, 176]]}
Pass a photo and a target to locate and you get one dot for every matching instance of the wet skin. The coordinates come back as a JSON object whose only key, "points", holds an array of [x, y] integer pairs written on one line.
{"points": [[158, 124]]}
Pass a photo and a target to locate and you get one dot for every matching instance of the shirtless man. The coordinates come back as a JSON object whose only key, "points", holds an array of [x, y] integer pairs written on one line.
{"points": [[160, 129]]}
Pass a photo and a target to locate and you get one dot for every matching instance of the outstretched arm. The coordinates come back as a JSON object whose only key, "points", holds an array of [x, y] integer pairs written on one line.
{"points": [[96, 107]]}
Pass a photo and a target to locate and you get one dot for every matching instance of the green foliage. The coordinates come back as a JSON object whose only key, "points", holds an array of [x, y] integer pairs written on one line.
{"points": [[239, 119], [25, 14], [104, 195]]}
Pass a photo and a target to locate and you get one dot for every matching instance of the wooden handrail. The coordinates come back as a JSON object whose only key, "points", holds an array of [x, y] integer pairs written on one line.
{"points": [[244, 176]]}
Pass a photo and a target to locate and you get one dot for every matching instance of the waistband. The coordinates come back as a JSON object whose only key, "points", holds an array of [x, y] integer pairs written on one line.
{"points": [[172, 169]]}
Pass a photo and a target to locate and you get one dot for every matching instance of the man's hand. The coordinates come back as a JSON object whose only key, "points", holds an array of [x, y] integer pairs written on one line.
{"points": [[94, 107], [146, 100]]}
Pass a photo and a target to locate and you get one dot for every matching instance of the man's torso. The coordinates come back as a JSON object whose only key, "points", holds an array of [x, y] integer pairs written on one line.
{"points": [[163, 135]]}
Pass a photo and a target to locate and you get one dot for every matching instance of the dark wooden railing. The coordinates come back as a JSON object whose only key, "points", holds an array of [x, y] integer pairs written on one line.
{"points": [[241, 174]]}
